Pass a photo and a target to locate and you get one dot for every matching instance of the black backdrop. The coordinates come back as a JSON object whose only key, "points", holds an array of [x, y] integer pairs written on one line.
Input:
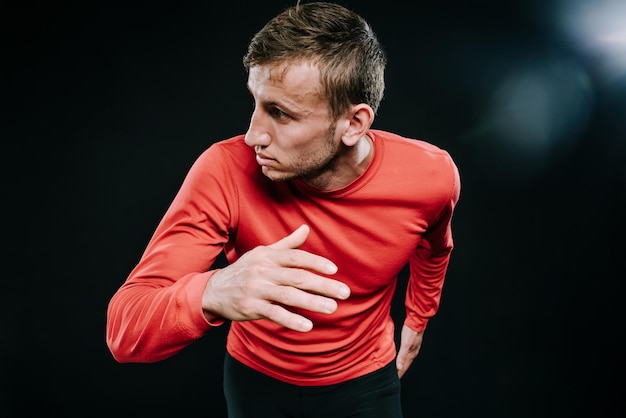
{"points": [[105, 107]]}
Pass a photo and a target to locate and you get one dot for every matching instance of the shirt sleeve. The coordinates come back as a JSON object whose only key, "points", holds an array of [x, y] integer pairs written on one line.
{"points": [[158, 310], [429, 262]]}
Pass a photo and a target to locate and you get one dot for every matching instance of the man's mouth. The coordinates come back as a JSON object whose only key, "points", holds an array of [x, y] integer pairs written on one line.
{"points": [[264, 160]]}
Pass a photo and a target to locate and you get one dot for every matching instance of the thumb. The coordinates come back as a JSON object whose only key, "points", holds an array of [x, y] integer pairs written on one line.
{"points": [[400, 361], [293, 240]]}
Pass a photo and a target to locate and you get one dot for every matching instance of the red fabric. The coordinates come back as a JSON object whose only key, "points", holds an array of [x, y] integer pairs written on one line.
{"points": [[399, 211]]}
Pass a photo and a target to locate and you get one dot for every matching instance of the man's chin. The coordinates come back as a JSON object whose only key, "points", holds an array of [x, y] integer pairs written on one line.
{"points": [[276, 175]]}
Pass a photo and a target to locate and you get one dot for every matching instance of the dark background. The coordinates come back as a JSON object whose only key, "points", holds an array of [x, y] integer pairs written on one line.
{"points": [[105, 107]]}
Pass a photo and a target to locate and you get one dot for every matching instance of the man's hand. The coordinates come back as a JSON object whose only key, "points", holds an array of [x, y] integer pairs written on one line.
{"points": [[267, 278], [410, 343]]}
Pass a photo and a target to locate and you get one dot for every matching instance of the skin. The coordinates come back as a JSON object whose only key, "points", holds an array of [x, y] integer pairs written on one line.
{"points": [[294, 136]]}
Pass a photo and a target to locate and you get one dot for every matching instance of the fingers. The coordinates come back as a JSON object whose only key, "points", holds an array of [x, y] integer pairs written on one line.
{"points": [[297, 288], [288, 319], [277, 308], [299, 264], [269, 280], [410, 343], [400, 364], [293, 258], [298, 258], [289, 256], [303, 290], [293, 240], [307, 281], [404, 360]]}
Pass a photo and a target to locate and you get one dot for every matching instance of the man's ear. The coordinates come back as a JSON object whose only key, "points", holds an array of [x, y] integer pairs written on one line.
{"points": [[358, 120]]}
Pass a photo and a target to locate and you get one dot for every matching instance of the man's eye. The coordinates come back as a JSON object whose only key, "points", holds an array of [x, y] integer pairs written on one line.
{"points": [[279, 114]]}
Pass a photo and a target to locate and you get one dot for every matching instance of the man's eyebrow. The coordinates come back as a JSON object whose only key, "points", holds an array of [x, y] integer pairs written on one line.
{"points": [[272, 103], [285, 107]]}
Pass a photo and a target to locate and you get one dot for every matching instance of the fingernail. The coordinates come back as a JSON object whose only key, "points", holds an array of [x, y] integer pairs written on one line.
{"points": [[344, 292], [306, 326], [331, 268], [330, 306]]}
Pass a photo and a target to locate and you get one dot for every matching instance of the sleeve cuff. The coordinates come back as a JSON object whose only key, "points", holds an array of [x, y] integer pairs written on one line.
{"points": [[194, 292]]}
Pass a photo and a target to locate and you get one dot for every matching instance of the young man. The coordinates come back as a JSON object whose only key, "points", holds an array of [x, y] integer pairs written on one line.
{"points": [[317, 214]]}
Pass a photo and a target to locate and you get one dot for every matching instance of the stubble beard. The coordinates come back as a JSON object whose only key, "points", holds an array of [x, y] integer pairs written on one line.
{"points": [[318, 169]]}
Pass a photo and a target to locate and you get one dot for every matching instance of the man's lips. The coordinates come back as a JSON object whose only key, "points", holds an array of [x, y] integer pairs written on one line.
{"points": [[264, 160]]}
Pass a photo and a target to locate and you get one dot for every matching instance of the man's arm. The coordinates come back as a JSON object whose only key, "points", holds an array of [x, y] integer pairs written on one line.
{"points": [[428, 266], [172, 297]]}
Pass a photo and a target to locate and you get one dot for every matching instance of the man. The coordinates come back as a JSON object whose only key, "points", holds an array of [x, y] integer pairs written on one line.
{"points": [[317, 214]]}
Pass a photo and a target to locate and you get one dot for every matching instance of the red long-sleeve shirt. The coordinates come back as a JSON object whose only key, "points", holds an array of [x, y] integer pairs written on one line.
{"points": [[398, 211]]}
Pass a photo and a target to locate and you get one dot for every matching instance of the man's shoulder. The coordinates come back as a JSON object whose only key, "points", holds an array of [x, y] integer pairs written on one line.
{"points": [[232, 144], [228, 155], [417, 159], [408, 146], [230, 148]]}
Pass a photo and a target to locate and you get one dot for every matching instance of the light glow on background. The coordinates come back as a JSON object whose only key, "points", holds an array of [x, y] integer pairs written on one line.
{"points": [[536, 111], [598, 29]]}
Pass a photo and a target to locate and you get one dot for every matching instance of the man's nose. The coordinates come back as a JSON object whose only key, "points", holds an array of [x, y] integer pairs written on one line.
{"points": [[258, 134]]}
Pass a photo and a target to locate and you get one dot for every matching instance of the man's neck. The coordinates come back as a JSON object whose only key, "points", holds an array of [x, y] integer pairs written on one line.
{"points": [[350, 163]]}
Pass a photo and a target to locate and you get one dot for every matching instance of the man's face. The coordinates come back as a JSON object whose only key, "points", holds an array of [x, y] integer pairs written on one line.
{"points": [[291, 130]]}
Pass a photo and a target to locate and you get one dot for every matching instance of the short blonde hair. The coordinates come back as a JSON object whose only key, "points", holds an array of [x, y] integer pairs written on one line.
{"points": [[341, 43]]}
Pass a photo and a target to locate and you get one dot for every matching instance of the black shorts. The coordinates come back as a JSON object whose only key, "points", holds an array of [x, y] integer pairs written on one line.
{"points": [[250, 394]]}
